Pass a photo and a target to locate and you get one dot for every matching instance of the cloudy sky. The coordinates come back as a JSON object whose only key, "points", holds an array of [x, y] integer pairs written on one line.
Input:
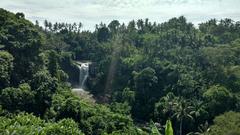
{"points": [[91, 12]]}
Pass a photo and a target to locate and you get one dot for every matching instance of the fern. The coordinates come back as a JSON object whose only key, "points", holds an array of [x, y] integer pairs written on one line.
{"points": [[154, 129]]}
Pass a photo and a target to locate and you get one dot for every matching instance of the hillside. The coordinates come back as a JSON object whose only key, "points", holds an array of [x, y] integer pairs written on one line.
{"points": [[142, 71]]}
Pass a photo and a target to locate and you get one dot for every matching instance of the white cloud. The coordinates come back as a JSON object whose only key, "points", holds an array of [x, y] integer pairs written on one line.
{"points": [[91, 12]]}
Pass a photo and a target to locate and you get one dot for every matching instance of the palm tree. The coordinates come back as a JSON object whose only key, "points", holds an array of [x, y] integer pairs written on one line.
{"points": [[182, 111], [169, 101], [198, 109]]}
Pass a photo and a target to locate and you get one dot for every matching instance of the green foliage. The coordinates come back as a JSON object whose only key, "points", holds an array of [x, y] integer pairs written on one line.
{"points": [[122, 108], [219, 100], [29, 124], [146, 78], [182, 112], [154, 129], [22, 98], [23, 41], [226, 124], [128, 96], [141, 71], [6, 66], [103, 34], [113, 26], [93, 119], [168, 129], [165, 107], [53, 60], [233, 78], [225, 31], [145, 85], [45, 86]]}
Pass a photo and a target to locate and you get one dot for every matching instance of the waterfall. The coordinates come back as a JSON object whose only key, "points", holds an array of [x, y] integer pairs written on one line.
{"points": [[83, 68], [83, 75]]}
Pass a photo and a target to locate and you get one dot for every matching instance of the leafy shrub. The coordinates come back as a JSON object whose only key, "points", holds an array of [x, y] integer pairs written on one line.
{"points": [[22, 124]]}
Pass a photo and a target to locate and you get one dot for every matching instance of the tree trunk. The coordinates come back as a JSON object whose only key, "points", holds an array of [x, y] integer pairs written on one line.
{"points": [[181, 122]]}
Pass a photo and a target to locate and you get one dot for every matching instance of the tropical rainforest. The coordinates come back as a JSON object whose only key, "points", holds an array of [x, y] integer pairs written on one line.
{"points": [[145, 77]]}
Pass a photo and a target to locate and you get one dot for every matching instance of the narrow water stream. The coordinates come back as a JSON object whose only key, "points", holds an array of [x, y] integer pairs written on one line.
{"points": [[80, 89], [83, 75]]}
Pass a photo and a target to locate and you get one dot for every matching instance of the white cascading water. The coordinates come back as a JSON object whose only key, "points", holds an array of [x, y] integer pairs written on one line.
{"points": [[83, 75]]}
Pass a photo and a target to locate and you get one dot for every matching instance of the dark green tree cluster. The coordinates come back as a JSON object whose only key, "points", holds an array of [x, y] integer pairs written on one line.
{"points": [[35, 95], [227, 123]]}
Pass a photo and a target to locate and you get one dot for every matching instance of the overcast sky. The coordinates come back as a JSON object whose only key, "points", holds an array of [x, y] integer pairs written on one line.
{"points": [[91, 12]]}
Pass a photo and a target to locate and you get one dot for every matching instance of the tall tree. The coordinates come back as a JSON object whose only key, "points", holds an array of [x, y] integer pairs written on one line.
{"points": [[183, 110]]}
